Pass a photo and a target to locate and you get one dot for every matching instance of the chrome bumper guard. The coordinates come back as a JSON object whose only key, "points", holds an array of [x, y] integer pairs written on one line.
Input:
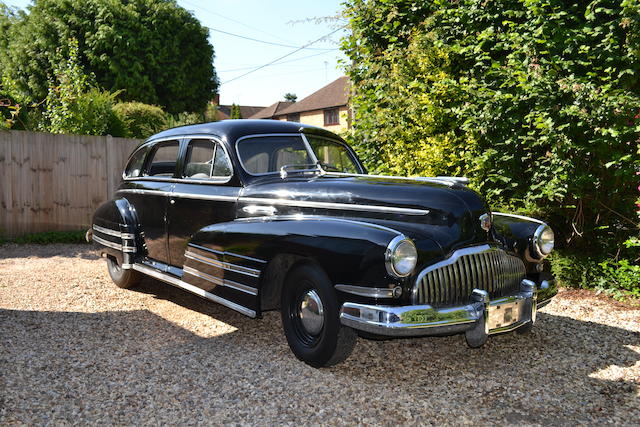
{"points": [[478, 319]]}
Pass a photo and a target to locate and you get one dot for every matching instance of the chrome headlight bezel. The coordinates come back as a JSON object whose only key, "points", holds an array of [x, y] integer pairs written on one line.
{"points": [[391, 263], [538, 245]]}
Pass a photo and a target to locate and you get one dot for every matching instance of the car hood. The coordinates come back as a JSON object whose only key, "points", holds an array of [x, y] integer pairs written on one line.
{"points": [[437, 210]]}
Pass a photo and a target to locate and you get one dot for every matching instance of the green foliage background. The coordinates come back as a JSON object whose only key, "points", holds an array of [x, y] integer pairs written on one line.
{"points": [[140, 120], [153, 51], [536, 101]]}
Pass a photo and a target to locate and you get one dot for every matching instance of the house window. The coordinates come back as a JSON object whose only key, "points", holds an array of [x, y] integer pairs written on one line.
{"points": [[295, 117], [331, 117]]}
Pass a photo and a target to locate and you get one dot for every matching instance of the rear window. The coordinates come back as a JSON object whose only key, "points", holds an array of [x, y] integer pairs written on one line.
{"points": [[136, 163], [163, 159], [268, 154]]}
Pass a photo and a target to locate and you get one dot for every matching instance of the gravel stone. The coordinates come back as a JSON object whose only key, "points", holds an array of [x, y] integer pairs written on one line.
{"points": [[75, 349]]}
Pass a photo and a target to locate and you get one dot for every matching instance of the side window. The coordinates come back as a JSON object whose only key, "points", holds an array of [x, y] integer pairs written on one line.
{"points": [[163, 159], [206, 159], [134, 168]]}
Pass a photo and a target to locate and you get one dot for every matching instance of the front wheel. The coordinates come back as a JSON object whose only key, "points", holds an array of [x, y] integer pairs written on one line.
{"points": [[310, 318], [124, 279]]}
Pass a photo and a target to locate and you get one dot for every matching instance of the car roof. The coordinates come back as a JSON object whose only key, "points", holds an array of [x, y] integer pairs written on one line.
{"points": [[232, 130]]}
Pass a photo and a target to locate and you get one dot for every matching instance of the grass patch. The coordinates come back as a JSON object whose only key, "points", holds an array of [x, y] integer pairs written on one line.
{"points": [[48, 237]]}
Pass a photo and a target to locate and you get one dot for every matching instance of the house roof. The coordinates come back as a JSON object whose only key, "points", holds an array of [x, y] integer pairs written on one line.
{"points": [[334, 94], [271, 110], [245, 110]]}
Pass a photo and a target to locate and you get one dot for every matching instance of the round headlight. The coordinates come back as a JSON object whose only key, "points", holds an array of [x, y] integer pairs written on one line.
{"points": [[401, 257], [543, 240]]}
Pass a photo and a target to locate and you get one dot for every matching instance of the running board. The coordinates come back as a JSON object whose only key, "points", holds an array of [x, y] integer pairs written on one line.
{"points": [[191, 288]]}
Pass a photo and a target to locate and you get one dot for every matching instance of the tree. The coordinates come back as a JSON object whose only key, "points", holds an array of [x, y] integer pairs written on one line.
{"points": [[152, 50], [291, 97], [235, 112]]}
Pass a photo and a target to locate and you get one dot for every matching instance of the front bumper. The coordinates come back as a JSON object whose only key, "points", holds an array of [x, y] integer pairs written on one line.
{"points": [[478, 319]]}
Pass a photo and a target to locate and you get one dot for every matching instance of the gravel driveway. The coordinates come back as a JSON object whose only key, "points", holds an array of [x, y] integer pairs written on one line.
{"points": [[74, 348]]}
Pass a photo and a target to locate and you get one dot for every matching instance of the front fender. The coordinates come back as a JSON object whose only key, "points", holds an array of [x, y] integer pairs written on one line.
{"points": [[515, 233], [350, 252]]}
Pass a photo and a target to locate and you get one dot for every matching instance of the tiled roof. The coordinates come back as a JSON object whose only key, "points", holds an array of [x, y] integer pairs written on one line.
{"points": [[334, 94], [271, 110]]}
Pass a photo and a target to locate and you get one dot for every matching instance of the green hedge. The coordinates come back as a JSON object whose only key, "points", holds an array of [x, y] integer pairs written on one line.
{"points": [[537, 102], [140, 120]]}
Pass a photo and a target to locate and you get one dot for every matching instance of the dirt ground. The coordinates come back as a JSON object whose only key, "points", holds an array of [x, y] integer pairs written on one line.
{"points": [[75, 349]]}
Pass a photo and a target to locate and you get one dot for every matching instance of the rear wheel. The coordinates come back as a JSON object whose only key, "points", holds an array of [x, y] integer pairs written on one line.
{"points": [[124, 279], [310, 318]]}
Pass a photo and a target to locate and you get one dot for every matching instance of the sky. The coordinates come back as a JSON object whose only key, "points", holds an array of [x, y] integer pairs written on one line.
{"points": [[284, 22]]}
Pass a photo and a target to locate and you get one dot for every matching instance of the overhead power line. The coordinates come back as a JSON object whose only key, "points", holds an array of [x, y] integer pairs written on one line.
{"points": [[266, 42], [283, 56], [278, 63], [204, 9]]}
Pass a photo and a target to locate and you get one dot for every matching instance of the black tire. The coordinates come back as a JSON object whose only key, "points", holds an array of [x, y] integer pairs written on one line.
{"points": [[125, 279], [333, 343]]}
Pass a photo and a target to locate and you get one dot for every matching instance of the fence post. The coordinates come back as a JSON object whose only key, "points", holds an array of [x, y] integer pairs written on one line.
{"points": [[107, 157]]}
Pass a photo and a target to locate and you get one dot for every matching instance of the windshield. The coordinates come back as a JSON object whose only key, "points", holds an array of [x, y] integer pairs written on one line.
{"points": [[333, 156], [270, 154]]}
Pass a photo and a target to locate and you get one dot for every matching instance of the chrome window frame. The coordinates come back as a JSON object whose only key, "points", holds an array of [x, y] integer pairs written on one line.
{"points": [[305, 141], [180, 139]]}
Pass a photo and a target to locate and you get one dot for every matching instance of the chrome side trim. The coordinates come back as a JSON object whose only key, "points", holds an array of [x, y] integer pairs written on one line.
{"points": [[332, 205], [284, 202], [193, 289], [526, 218], [221, 282], [303, 217], [179, 195], [366, 292], [222, 264], [107, 243], [255, 209], [112, 232], [261, 261]]}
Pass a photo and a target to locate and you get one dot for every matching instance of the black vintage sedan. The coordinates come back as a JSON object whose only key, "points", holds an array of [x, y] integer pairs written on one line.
{"points": [[264, 215]]}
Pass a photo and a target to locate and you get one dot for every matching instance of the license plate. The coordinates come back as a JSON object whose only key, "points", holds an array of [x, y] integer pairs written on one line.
{"points": [[508, 313]]}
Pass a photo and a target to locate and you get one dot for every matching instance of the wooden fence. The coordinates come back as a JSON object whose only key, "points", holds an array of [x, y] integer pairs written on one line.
{"points": [[55, 182]]}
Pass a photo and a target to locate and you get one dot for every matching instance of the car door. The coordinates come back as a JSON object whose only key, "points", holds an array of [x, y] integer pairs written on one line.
{"points": [[204, 194], [147, 187]]}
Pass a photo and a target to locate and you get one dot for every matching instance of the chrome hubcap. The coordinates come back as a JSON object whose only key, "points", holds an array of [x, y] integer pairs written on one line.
{"points": [[311, 312]]}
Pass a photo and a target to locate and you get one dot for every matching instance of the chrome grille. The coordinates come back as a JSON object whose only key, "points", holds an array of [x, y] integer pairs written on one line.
{"points": [[483, 267]]}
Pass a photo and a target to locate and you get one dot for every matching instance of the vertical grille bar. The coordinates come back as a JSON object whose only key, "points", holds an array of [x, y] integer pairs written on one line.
{"points": [[452, 281]]}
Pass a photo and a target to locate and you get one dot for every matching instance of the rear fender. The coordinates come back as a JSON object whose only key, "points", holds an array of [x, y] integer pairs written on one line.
{"points": [[115, 231]]}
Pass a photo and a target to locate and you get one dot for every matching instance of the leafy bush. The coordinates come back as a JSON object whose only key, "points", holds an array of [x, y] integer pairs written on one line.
{"points": [[73, 106], [140, 120], [184, 119]]}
